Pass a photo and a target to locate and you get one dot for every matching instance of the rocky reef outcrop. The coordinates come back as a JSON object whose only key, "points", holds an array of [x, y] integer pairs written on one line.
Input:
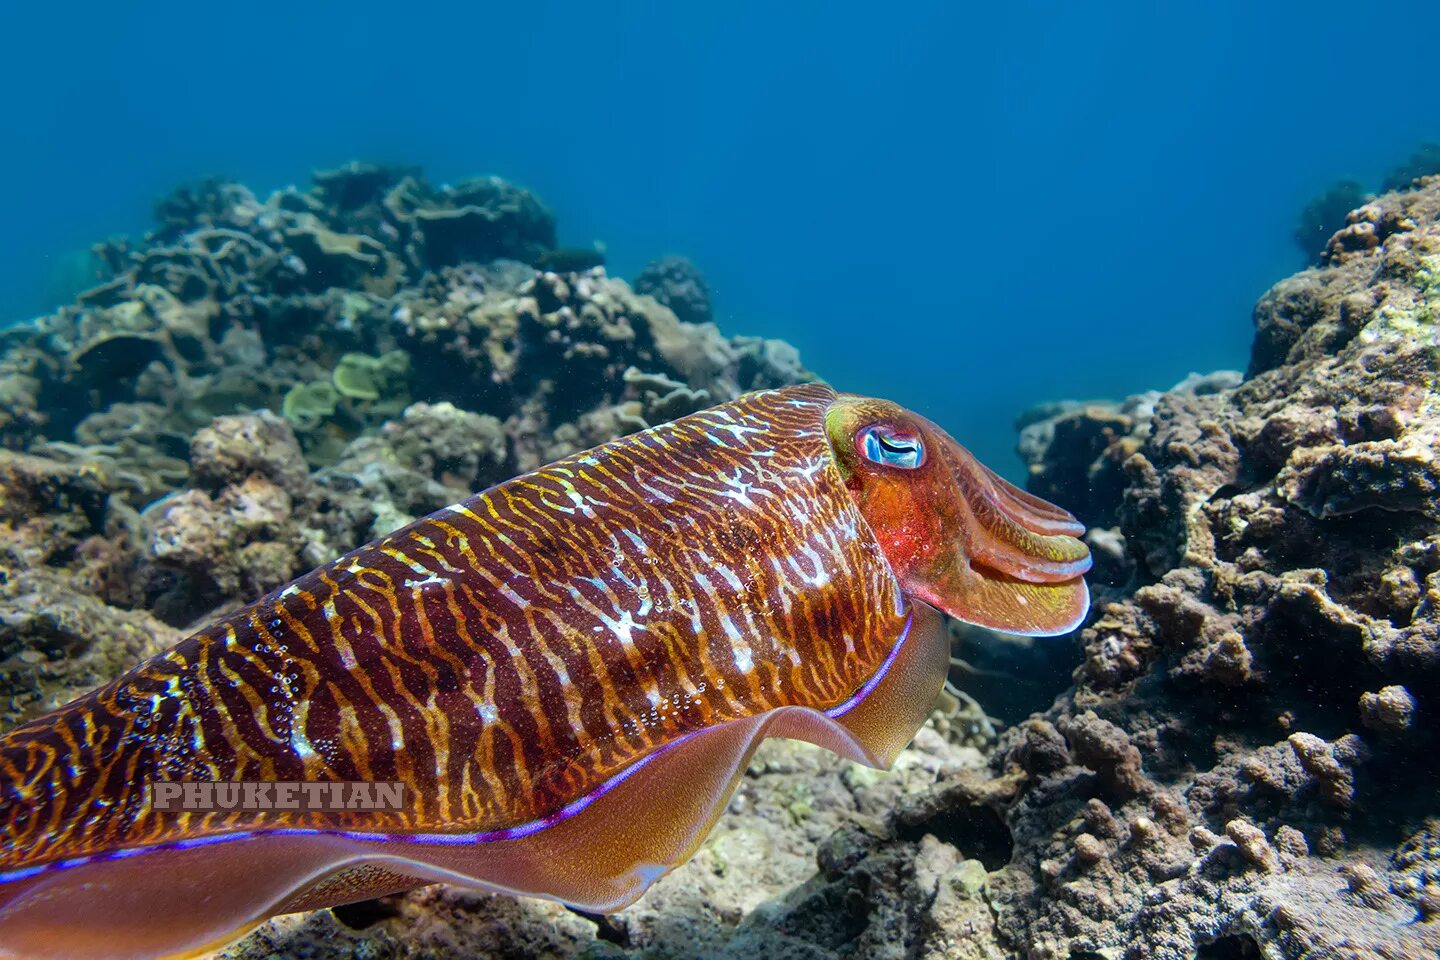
{"points": [[1243, 766]]}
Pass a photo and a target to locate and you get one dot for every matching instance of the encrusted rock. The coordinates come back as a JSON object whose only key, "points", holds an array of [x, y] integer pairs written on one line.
{"points": [[1266, 636], [1089, 849], [1388, 710], [1252, 843], [234, 448], [1106, 749]]}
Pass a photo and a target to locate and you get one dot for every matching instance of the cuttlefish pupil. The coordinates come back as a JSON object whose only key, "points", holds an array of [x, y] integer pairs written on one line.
{"points": [[567, 673], [881, 446]]}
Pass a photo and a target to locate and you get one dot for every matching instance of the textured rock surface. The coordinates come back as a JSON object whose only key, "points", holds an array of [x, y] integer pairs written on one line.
{"points": [[68, 547], [1242, 762]]}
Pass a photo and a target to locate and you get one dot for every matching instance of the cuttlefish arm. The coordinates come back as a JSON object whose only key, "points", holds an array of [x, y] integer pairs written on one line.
{"points": [[568, 673]]}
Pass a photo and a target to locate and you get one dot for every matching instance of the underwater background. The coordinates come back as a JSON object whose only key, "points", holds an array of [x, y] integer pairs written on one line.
{"points": [[276, 282], [967, 208]]}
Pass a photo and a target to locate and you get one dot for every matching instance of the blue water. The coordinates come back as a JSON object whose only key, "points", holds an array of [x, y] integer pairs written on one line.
{"points": [[966, 208]]}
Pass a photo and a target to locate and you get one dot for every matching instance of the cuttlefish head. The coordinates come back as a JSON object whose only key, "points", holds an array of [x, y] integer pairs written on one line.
{"points": [[958, 536]]}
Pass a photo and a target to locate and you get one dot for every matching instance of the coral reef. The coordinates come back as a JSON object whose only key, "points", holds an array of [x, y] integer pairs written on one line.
{"points": [[1330, 210], [68, 614]]}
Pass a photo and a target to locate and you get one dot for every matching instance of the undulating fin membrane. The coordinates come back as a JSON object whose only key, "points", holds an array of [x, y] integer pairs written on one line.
{"points": [[1025, 564], [166, 903], [183, 902]]}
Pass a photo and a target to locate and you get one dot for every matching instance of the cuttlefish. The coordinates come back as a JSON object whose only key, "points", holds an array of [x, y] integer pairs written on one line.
{"points": [[567, 673]]}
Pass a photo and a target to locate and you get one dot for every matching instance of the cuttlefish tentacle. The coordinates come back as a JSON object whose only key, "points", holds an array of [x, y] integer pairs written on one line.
{"points": [[568, 673]]}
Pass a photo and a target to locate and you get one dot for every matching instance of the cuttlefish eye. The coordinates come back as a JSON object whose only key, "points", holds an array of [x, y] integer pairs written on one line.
{"points": [[890, 449]]}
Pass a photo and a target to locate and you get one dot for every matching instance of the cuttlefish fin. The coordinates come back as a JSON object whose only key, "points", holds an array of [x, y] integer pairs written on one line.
{"points": [[182, 902], [167, 902]]}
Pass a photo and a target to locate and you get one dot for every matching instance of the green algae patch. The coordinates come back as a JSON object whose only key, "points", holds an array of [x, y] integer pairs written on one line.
{"points": [[1411, 318], [308, 405], [362, 392], [359, 376]]}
